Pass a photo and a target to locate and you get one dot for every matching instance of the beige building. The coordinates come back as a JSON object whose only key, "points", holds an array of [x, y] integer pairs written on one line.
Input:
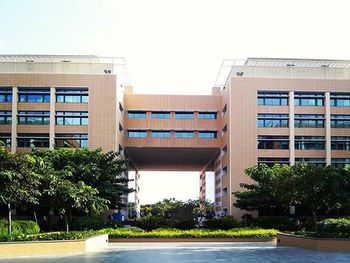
{"points": [[260, 111]]}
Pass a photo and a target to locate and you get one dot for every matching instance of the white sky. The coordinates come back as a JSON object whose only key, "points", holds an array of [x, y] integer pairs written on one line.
{"points": [[176, 46]]}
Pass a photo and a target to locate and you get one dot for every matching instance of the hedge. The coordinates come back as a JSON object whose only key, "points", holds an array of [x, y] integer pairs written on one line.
{"points": [[19, 227]]}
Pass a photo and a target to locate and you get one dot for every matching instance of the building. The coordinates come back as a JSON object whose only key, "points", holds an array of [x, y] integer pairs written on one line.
{"points": [[260, 111]]}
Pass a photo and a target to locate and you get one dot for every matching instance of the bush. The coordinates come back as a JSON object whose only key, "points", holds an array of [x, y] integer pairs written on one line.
{"points": [[87, 223], [278, 222], [193, 233], [151, 222], [19, 227], [339, 226], [224, 223], [184, 224]]}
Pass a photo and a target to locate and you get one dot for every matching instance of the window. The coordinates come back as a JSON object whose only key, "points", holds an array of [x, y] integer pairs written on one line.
{"points": [[271, 161], [340, 162], [184, 115], [224, 191], [160, 115], [310, 142], [5, 95], [71, 140], [224, 109], [160, 134], [137, 134], [137, 114], [72, 95], [34, 117], [121, 107], [340, 143], [340, 121], [272, 98], [207, 115], [309, 121], [6, 117], [224, 130], [340, 99], [319, 162], [272, 120], [5, 138], [33, 140], [308, 98], [72, 118], [184, 134], [34, 95], [273, 142], [207, 134]]}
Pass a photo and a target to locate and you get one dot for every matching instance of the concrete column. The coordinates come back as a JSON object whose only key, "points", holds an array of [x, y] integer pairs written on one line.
{"points": [[291, 129], [52, 117], [14, 120], [328, 128]]}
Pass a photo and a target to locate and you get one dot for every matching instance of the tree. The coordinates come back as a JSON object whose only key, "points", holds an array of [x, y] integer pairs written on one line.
{"points": [[103, 172], [19, 183], [61, 192], [272, 187]]}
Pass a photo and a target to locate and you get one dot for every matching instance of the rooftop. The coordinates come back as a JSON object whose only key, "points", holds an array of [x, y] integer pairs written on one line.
{"points": [[282, 63]]}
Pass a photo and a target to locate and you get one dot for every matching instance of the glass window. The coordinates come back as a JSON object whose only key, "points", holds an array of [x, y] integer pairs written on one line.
{"points": [[339, 99], [207, 134], [184, 115], [319, 162], [71, 140], [273, 120], [34, 95], [309, 121], [340, 143], [5, 95], [273, 142], [308, 98], [160, 134], [72, 95], [33, 140], [137, 114], [137, 134], [160, 115], [207, 115], [310, 142], [34, 117], [340, 162], [5, 139], [184, 134], [5, 117], [272, 98], [72, 118], [271, 161], [340, 121]]}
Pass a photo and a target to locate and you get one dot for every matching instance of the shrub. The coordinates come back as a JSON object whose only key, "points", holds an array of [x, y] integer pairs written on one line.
{"points": [[151, 222], [224, 223], [278, 222], [87, 223], [184, 224], [331, 225], [19, 227]]}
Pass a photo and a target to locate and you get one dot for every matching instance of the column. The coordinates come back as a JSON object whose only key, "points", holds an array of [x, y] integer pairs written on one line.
{"points": [[291, 129], [52, 118], [14, 120], [328, 128]]}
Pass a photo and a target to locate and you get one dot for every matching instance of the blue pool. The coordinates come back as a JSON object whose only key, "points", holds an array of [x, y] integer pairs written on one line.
{"points": [[196, 252]]}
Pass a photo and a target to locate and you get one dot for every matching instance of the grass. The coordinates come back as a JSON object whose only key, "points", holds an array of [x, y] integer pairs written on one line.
{"points": [[157, 233]]}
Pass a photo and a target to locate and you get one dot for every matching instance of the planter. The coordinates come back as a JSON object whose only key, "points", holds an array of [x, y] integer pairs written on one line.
{"points": [[53, 247], [327, 244]]}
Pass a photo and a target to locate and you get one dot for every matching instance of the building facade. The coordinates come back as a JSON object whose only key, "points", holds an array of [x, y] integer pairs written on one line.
{"points": [[260, 111]]}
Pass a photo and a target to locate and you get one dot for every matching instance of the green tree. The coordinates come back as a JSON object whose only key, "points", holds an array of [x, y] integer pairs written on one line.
{"points": [[18, 180], [271, 187]]}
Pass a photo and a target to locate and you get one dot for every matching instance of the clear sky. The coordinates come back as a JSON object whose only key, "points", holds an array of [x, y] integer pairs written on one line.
{"points": [[176, 46]]}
